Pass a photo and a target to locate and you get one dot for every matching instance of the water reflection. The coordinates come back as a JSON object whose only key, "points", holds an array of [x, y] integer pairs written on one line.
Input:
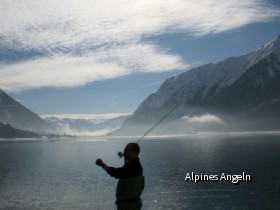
{"points": [[62, 175]]}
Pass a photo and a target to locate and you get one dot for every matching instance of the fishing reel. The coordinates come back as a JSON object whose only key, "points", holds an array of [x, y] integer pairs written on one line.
{"points": [[120, 154]]}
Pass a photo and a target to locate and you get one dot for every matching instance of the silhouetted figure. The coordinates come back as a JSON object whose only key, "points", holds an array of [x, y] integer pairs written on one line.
{"points": [[131, 180]]}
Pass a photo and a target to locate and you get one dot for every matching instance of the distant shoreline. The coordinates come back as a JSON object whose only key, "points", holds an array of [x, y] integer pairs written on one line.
{"points": [[134, 138]]}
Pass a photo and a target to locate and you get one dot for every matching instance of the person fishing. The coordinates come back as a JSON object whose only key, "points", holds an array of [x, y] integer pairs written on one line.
{"points": [[131, 180]]}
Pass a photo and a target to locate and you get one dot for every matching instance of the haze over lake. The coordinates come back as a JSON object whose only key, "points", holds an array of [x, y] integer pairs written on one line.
{"points": [[63, 174]]}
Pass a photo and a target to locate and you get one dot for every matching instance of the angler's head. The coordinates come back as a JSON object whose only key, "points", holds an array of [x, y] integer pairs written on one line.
{"points": [[131, 151]]}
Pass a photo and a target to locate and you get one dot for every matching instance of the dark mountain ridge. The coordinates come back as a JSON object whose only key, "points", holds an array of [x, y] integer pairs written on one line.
{"points": [[8, 132], [18, 116]]}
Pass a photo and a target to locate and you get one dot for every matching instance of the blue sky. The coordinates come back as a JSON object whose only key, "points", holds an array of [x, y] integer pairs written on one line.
{"points": [[106, 56]]}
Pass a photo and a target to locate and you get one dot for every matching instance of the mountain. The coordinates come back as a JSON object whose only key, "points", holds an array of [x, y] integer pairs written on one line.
{"points": [[80, 126], [7, 131], [238, 93], [13, 113]]}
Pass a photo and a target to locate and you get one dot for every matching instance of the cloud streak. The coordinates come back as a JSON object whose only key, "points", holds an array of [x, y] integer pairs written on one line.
{"points": [[93, 117], [207, 118], [138, 88], [83, 41]]}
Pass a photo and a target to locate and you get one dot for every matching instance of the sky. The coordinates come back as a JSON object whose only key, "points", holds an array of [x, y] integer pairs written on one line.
{"points": [[107, 56]]}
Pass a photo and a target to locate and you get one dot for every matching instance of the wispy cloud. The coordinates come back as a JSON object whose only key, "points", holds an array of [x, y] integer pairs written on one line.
{"points": [[83, 41], [98, 117], [138, 88], [207, 118]]}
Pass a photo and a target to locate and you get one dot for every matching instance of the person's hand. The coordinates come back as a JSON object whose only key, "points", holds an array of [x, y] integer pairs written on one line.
{"points": [[99, 162]]}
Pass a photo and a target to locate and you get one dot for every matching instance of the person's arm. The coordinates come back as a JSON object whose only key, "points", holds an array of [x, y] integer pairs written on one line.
{"points": [[118, 173], [132, 168], [100, 163]]}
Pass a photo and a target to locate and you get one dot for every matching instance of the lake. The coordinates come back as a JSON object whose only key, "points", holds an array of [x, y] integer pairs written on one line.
{"points": [[63, 175]]}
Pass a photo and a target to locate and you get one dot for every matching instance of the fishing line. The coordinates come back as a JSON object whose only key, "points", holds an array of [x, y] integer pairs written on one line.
{"points": [[163, 118], [120, 154]]}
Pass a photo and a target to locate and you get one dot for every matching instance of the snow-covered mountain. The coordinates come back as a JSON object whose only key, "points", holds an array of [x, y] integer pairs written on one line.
{"points": [[239, 91], [13, 113]]}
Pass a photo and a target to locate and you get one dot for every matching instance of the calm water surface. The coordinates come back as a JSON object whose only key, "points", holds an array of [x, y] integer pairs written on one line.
{"points": [[63, 175]]}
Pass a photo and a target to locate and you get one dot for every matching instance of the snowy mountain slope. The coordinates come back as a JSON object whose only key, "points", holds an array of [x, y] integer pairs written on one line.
{"points": [[272, 47], [183, 88], [258, 85], [233, 88]]}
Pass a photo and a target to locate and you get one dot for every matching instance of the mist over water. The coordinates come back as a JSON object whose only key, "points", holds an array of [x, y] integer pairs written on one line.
{"points": [[63, 174]]}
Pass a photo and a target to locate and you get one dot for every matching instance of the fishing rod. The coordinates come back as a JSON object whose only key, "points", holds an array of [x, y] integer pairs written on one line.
{"points": [[120, 154]]}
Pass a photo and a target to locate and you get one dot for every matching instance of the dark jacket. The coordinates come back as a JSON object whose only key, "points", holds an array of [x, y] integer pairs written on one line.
{"points": [[131, 168], [130, 185]]}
